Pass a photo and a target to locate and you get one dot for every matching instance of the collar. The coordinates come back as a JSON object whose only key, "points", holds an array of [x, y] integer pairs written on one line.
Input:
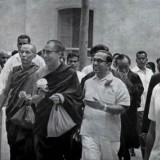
{"points": [[17, 56], [106, 78], [137, 69]]}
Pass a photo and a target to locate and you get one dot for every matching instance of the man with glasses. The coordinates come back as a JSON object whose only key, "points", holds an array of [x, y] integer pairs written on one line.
{"points": [[106, 97], [88, 69], [63, 91], [16, 61]]}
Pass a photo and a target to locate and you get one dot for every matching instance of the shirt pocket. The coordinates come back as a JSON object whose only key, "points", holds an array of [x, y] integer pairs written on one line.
{"points": [[108, 95]]}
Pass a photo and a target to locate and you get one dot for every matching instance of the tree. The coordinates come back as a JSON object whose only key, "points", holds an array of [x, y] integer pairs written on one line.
{"points": [[83, 42]]}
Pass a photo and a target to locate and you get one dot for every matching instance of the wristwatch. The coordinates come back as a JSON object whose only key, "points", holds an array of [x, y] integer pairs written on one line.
{"points": [[105, 108]]}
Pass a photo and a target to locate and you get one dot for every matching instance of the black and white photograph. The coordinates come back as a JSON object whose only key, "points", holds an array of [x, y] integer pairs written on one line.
{"points": [[79, 80]]}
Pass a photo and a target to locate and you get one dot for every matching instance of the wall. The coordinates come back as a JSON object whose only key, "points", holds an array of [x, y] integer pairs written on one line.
{"points": [[37, 18], [128, 26], [12, 23], [125, 26]]}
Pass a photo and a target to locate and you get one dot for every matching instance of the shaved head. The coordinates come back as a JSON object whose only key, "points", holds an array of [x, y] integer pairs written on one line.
{"points": [[31, 47]]}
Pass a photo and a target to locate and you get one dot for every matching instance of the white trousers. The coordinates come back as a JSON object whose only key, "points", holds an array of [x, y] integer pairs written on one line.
{"points": [[99, 148]]}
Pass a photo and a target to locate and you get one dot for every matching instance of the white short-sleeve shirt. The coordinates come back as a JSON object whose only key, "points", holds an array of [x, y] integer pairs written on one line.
{"points": [[145, 77], [99, 123], [87, 69], [154, 115], [80, 75]]}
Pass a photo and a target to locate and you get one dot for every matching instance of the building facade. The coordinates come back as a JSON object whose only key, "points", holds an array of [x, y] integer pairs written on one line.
{"points": [[125, 26]]}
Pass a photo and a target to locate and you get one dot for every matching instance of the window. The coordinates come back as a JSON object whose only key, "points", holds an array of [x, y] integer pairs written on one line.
{"points": [[69, 28]]}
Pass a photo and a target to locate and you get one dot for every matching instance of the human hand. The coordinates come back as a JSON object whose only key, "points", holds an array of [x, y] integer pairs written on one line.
{"points": [[96, 104], [22, 94], [27, 97], [55, 98], [42, 91]]}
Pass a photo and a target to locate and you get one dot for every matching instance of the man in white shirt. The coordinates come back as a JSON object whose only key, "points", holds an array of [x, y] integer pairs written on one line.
{"points": [[152, 150], [106, 97], [73, 61], [89, 68], [145, 75], [15, 61]]}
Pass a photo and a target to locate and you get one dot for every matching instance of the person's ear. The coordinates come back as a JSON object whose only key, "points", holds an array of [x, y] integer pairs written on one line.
{"points": [[146, 59], [59, 54], [35, 55], [109, 63]]}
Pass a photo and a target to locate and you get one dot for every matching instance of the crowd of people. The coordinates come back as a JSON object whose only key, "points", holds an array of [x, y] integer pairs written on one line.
{"points": [[103, 112]]}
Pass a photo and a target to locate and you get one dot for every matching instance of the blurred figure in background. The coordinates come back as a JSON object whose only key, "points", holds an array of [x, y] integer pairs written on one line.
{"points": [[145, 75], [14, 52], [129, 135], [158, 64], [3, 58], [114, 65], [62, 56], [73, 61], [151, 66]]}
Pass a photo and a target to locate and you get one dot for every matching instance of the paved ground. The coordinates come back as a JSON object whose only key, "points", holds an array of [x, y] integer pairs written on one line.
{"points": [[137, 151], [138, 155]]}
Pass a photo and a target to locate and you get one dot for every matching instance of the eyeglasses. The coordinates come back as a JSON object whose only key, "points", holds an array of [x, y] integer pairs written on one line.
{"points": [[98, 60], [20, 43], [49, 52]]}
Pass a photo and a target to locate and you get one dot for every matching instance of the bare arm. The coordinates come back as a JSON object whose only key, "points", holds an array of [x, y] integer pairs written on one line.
{"points": [[116, 109], [113, 109], [5, 72], [4, 95], [3, 98], [150, 140]]}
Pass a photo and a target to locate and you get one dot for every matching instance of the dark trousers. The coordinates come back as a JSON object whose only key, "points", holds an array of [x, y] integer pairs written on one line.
{"points": [[51, 148], [139, 130], [23, 150], [123, 152]]}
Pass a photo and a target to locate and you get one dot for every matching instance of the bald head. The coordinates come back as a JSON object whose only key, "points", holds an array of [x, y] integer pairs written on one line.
{"points": [[30, 47], [27, 54], [56, 45]]}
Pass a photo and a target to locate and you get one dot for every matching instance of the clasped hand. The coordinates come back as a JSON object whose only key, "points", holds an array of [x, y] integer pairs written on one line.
{"points": [[27, 97], [56, 98]]}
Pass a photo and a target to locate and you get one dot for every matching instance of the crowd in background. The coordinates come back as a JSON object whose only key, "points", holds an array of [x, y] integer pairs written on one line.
{"points": [[100, 113]]}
